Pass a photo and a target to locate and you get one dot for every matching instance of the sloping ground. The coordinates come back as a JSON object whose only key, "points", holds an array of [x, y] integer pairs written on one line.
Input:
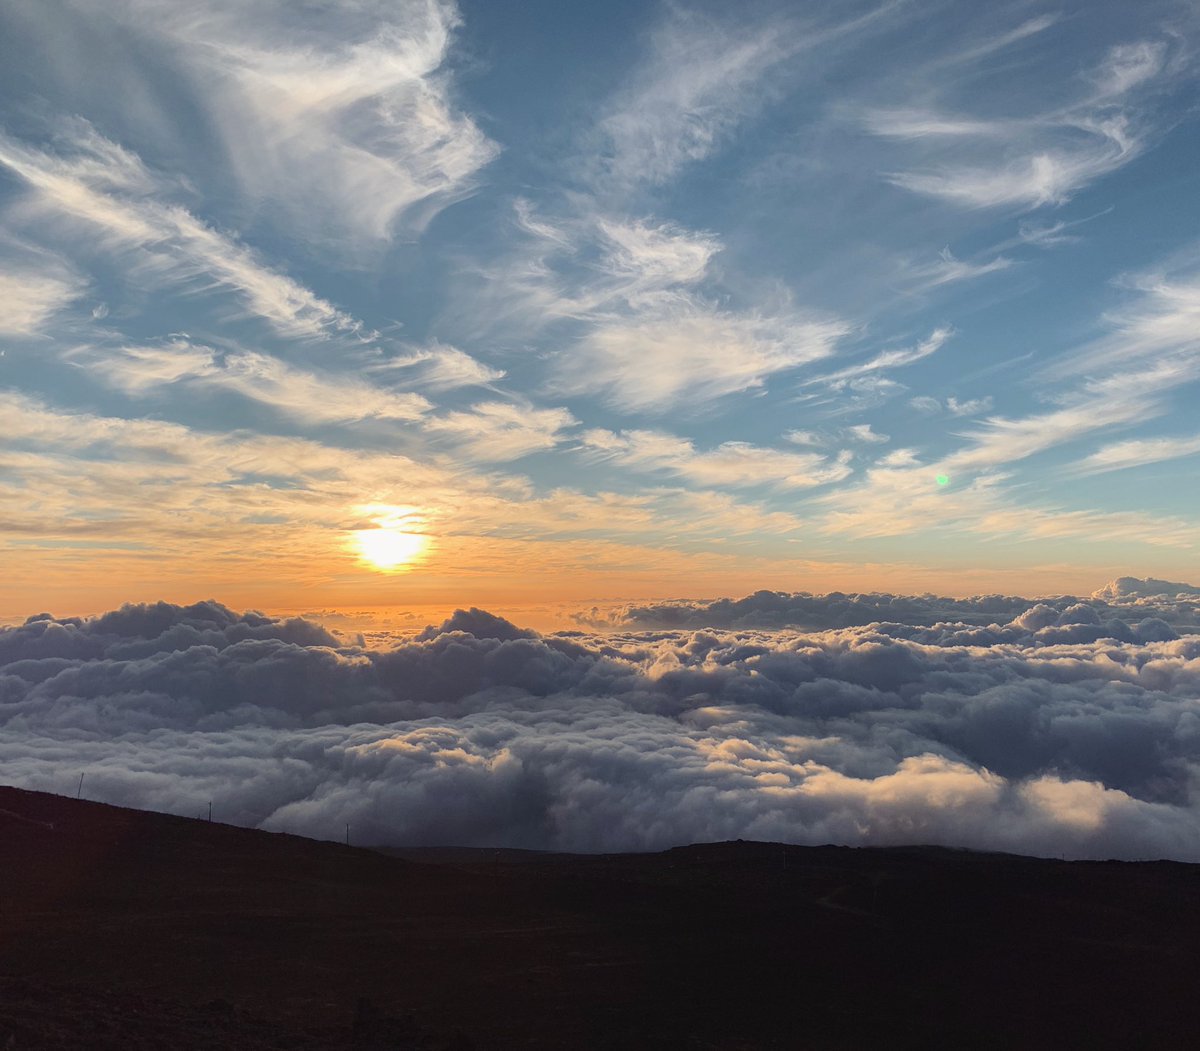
{"points": [[124, 929]]}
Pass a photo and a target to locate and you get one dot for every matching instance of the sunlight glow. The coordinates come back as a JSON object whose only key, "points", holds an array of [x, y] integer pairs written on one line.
{"points": [[388, 549]]}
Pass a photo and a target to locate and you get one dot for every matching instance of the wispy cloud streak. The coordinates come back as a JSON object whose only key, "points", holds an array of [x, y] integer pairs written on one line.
{"points": [[1036, 159], [104, 188], [337, 120]]}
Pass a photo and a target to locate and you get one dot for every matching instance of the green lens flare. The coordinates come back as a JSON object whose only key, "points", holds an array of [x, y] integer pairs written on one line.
{"points": [[943, 479]]}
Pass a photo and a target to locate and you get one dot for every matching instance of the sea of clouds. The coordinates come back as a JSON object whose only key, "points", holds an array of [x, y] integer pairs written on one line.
{"points": [[1063, 727]]}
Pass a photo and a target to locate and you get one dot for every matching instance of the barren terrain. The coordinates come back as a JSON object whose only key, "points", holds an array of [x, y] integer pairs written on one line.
{"points": [[126, 929]]}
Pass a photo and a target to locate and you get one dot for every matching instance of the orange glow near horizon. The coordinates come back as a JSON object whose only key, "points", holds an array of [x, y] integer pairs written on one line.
{"points": [[507, 576]]}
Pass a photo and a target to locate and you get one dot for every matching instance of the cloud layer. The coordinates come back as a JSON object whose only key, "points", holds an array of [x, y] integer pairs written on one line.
{"points": [[1056, 729], [1124, 609]]}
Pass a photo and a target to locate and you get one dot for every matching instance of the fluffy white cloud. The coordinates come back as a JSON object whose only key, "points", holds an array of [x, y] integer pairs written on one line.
{"points": [[1039, 734]]}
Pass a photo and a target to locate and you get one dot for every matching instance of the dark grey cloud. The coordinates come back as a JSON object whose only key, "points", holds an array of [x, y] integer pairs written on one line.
{"points": [[1046, 730], [1114, 611]]}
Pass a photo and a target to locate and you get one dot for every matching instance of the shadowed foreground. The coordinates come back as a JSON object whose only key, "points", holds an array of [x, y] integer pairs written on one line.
{"points": [[125, 929]]}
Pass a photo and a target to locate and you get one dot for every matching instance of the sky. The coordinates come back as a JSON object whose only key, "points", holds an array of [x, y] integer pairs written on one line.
{"points": [[363, 303]]}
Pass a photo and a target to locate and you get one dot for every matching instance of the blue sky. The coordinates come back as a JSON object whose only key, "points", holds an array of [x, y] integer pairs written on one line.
{"points": [[624, 300]]}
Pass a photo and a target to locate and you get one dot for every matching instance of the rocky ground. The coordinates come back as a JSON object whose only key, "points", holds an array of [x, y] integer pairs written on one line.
{"points": [[125, 929]]}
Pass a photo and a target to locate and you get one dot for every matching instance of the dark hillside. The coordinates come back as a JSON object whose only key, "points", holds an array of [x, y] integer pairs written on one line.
{"points": [[124, 929]]}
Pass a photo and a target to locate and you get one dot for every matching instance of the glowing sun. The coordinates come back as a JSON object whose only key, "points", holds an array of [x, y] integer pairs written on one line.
{"points": [[388, 549]]}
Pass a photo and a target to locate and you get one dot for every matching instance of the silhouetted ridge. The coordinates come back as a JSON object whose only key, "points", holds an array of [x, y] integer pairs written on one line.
{"points": [[124, 929]]}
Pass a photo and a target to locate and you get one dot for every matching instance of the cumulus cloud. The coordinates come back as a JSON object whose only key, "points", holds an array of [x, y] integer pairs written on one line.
{"points": [[1034, 732], [1132, 588]]}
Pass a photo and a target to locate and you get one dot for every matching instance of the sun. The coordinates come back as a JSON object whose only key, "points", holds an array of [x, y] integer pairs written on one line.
{"points": [[388, 549]]}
